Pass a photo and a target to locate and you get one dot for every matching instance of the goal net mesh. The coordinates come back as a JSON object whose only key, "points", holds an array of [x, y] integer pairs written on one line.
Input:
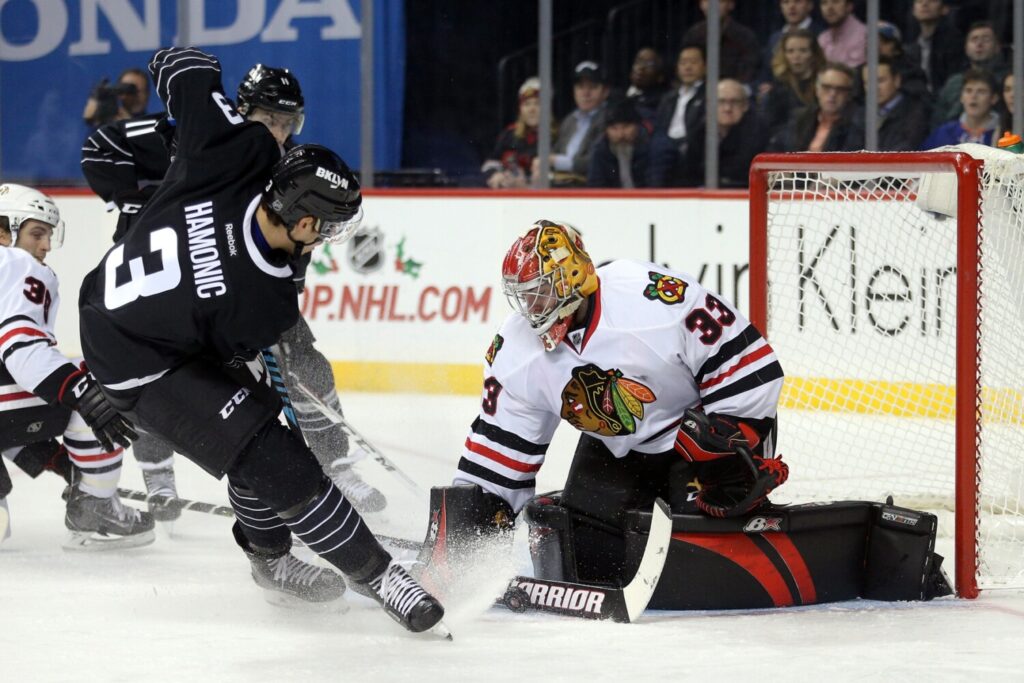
{"points": [[862, 297]]}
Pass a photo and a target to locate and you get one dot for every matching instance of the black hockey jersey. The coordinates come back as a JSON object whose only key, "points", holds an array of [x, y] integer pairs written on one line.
{"points": [[190, 278]]}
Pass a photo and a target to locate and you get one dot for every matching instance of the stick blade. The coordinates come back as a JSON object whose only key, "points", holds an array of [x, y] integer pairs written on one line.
{"points": [[637, 594]]}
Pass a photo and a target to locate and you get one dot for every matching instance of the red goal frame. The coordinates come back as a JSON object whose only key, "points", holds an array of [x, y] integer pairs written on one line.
{"points": [[967, 428]]}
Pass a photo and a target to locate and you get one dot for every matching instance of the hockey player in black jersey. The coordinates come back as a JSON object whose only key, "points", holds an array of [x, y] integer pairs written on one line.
{"points": [[175, 315], [123, 163]]}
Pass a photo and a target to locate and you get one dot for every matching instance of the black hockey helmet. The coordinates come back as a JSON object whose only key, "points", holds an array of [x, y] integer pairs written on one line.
{"points": [[311, 180], [269, 87]]}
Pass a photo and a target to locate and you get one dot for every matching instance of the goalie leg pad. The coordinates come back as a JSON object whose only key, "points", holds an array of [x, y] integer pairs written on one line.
{"points": [[901, 563]]}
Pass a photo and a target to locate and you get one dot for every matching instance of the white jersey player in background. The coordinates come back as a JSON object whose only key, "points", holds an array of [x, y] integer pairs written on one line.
{"points": [[44, 394], [666, 380]]}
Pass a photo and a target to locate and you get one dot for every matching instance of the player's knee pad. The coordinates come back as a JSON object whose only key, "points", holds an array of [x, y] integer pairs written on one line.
{"points": [[278, 467]]}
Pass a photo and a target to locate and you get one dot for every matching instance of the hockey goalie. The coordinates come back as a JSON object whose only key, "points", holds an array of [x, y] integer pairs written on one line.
{"points": [[675, 395]]}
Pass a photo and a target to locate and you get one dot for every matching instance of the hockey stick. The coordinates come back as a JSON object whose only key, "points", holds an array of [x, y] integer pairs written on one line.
{"points": [[360, 440], [278, 383], [624, 604], [166, 501]]}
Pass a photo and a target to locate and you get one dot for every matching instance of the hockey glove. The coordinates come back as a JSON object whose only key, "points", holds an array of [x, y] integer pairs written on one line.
{"points": [[721, 448], [81, 392]]}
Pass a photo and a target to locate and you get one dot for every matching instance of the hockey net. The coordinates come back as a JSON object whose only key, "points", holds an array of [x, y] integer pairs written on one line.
{"points": [[891, 286]]}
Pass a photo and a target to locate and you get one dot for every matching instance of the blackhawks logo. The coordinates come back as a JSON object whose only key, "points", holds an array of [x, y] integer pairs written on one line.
{"points": [[493, 349], [603, 401], [667, 289]]}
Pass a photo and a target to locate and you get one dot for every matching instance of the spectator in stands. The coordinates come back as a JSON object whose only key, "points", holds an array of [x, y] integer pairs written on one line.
{"points": [[846, 38], [983, 51], [1007, 111], [620, 158], [795, 66], [797, 14], [511, 162], [647, 84], [741, 136], [912, 77], [581, 129], [680, 113], [739, 55], [979, 121], [902, 119], [127, 98], [833, 124], [935, 43]]}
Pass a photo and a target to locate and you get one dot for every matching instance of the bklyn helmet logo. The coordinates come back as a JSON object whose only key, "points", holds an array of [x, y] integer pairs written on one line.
{"points": [[333, 178]]}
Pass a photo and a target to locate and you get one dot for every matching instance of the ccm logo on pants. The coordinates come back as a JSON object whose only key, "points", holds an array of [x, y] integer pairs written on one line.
{"points": [[236, 400]]}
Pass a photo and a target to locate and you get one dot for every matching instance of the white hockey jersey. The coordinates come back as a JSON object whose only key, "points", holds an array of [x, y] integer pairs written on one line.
{"points": [[32, 370], [655, 343]]}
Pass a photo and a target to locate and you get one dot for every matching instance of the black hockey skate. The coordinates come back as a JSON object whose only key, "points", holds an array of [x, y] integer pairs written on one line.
{"points": [[104, 523], [161, 482], [405, 600], [364, 498], [289, 582]]}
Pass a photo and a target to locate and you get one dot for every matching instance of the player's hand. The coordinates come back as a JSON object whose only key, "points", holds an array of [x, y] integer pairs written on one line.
{"points": [[82, 394]]}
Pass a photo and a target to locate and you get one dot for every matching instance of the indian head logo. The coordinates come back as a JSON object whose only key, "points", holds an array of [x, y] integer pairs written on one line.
{"points": [[603, 401], [665, 288], [493, 349]]}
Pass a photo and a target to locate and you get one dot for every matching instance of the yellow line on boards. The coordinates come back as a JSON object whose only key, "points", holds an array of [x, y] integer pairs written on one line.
{"points": [[413, 378]]}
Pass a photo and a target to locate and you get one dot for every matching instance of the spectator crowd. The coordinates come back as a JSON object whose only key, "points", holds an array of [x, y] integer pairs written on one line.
{"points": [[801, 89]]}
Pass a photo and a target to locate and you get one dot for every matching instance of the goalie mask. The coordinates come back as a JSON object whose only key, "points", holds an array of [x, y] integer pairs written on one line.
{"points": [[19, 204], [273, 89], [546, 275], [311, 180]]}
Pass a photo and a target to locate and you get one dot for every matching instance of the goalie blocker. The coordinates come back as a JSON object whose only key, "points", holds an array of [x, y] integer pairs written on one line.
{"points": [[777, 557]]}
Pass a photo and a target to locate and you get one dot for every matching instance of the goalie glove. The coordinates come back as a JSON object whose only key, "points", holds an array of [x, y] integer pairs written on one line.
{"points": [[81, 392], [733, 479]]}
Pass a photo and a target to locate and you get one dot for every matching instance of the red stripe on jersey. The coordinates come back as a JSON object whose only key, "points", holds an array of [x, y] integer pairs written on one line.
{"points": [[18, 396], [742, 551], [744, 362], [27, 331], [499, 458], [797, 567]]}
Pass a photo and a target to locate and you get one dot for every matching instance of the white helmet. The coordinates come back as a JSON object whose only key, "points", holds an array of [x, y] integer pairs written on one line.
{"points": [[19, 204]]}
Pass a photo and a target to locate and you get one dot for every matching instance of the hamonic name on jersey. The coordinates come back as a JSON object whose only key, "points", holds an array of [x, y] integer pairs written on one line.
{"points": [[207, 273]]}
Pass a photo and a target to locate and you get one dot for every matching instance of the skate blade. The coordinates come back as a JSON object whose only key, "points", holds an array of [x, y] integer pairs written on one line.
{"points": [[441, 631], [166, 528], [91, 541], [278, 599]]}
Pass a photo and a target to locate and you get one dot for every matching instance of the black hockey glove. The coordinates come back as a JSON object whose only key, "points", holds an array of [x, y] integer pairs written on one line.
{"points": [[82, 394], [721, 449]]}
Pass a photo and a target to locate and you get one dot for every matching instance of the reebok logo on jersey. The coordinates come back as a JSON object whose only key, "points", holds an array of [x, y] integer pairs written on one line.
{"points": [[585, 600], [666, 289], [333, 178]]}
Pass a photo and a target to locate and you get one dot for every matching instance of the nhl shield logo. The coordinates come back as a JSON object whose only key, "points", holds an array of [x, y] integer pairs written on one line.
{"points": [[366, 250]]}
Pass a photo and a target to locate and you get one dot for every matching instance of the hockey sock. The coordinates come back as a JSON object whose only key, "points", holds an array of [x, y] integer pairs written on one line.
{"points": [[259, 527], [99, 469], [328, 441], [330, 526]]}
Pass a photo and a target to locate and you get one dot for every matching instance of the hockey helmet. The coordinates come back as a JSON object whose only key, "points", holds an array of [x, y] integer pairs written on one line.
{"points": [[311, 180], [269, 87], [19, 204], [546, 275]]}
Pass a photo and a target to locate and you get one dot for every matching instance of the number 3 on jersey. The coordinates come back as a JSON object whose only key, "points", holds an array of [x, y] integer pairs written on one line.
{"points": [[127, 282], [492, 388]]}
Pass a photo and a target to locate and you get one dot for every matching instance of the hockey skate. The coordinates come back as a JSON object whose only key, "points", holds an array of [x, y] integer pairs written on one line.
{"points": [[364, 498], [405, 601], [289, 582], [160, 482], [104, 523]]}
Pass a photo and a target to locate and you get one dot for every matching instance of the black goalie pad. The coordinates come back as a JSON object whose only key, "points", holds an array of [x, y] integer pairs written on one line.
{"points": [[780, 556]]}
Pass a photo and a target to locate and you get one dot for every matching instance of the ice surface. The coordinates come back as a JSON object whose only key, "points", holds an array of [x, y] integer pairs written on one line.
{"points": [[186, 609]]}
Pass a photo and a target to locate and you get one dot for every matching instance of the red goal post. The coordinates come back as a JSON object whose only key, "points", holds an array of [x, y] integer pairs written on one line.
{"points": [[855, 259]]}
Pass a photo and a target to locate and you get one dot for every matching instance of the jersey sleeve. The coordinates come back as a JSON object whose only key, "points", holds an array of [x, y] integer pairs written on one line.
{"points": [[508, 440], [27, 347], [188, 81], [108, 163], [734, 367]]}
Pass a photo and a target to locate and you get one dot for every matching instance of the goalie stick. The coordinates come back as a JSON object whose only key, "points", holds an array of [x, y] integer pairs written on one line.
{"points": [[339, 420], [623, 605]]}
